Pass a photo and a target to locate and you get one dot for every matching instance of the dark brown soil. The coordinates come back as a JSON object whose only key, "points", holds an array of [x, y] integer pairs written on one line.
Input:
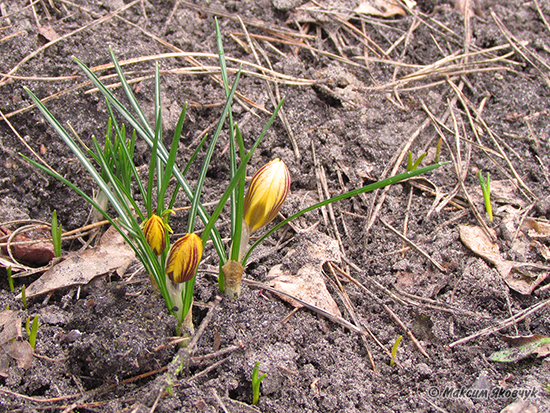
{"points": [[97, 345]]}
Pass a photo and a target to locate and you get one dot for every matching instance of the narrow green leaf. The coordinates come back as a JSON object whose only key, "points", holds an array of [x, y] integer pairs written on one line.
{"points": [[209, 153], [239, 206], [33, 332], [80, 155], [173, 152]]}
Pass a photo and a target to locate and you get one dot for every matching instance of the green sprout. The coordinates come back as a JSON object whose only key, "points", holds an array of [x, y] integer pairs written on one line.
{"points": [[24, 297], [411, 166], [394, 350], [486, 189], [32, 330], [256, 383], [10, 278], [56, 235]]}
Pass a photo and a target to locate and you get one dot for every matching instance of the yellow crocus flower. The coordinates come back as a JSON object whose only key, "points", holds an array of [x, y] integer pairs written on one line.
{"points": [[268, 190]]}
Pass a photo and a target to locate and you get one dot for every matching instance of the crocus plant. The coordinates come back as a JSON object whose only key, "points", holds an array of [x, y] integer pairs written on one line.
{"points": [[172, 266]]}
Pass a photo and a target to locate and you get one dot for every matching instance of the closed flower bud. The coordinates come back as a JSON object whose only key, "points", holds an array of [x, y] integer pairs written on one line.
{"points": [[268, 190], [183, 258], [155, 234]]}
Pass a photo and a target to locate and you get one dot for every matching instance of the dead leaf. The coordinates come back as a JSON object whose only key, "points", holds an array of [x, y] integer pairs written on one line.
{"points": [[520, 406], [537, 229], [10, 325], [542, 249], [307, 285], [382, 8], [516, 274], [10, 346], [21, 351], [48, 32], [522, 347], [80, 268], [301, 276], [477, 240]]}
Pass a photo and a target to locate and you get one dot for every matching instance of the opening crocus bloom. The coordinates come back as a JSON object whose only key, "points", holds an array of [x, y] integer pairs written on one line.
{"points": [[183, 258], [268, 190], [155, 234]]}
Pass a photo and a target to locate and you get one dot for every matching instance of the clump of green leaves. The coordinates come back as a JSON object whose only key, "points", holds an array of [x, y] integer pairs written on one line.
{"points": [[171, 267], [256, 381], [144, 225], [411, 166]]}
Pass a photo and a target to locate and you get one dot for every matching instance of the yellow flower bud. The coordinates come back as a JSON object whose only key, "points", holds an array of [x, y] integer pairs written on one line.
{"points": [[268, 190], [155, 234], [183, 258]]}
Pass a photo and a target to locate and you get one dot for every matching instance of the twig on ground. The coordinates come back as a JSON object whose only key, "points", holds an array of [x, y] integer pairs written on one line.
{"points": [[374, 208], [541, 14], [96, 22], [423, 302], [195, 339], [412, 244], [384, 306], [25, 143], [339, 320], [347, 303], [39, 399], [503, 324], [518, 46], [219, 400], [274, 99], [208, 369]]}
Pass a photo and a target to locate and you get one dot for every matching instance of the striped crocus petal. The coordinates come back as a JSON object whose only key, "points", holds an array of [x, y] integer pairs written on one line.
{"points": [[155, 234], [183, 258], [268, 190]]}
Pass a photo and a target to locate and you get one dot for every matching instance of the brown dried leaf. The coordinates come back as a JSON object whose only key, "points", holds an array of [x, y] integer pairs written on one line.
{"points": [[382, 8], [301, 276], [112, 254], [10, 326], [537, 229], [477, 240], [515, 274], [49, 33], [307, 285], [21, 351]]}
